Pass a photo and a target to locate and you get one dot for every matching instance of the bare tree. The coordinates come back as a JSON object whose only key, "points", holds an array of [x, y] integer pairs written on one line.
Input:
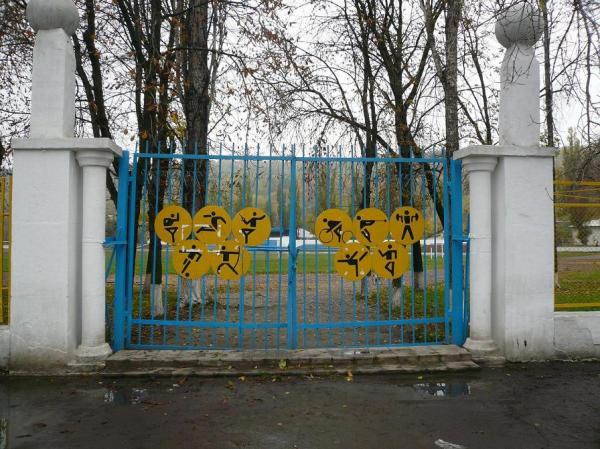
{"points": [[16, 48]]}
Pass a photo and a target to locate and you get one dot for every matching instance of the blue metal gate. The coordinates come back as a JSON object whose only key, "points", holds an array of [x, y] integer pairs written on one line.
{"points": [[291, 297]]}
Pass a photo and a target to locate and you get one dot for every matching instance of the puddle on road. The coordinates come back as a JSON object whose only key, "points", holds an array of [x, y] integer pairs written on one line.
{"points": [[443, 389], [131, 396]]}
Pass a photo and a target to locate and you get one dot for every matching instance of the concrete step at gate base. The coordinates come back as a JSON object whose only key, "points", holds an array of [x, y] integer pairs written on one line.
{"points": [[304, 361]]}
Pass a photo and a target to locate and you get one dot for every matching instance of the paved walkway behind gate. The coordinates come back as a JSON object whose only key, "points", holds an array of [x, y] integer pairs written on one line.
{"points": [[530, 406]]}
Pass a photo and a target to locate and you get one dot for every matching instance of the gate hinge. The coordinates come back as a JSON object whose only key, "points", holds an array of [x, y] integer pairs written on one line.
{"points": [[114, 242], [462, 238]]}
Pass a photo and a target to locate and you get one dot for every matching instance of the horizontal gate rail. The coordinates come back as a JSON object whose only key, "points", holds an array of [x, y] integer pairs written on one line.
{"points": [[208, 324], [262, 158]]}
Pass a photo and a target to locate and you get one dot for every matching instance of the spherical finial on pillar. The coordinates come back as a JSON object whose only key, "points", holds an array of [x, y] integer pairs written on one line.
{"points": [[520, 23], [53, 14]]}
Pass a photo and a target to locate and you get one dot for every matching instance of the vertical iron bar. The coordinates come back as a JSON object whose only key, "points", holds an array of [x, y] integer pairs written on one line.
{"points": [[121, 249], [281, 203], [365, 281], [228, 285], [154, 251], [304, 250], [328, 206], [291, 310], [436, 299], [165, 266], [141, 237], [219, 203], [458, 337], [388, 212], [377, 282], [413, 289], [242, 310], [424, 247], [342, 334], [352, 213], [268, 255], [130, 251], [256, 187], [317, 174], [447, 261]]}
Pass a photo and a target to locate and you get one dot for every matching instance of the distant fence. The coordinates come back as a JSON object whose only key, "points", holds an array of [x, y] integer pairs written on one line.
{"points": [[577, 221], [5, 234], [577, 206]]}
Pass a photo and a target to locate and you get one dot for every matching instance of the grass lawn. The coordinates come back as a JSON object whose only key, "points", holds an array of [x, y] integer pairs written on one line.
{"points": [[579, 279], [578, 288]]}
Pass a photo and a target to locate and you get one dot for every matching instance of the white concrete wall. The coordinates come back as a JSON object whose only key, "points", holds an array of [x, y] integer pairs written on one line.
{"points": [[577, 335]]}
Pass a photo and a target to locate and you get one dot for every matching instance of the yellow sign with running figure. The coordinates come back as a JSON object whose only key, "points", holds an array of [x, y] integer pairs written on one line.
{"points": [[390, 260], [231, 261], [333, 227], [173, 224], [251, 226], [192, 259], [212, 224], [407, 225], [370, 226], [352, 261]]}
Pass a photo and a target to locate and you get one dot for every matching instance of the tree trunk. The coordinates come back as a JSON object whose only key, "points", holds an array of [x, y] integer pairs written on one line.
{"points": [[197, 77], [197, 100], [453, 13]]}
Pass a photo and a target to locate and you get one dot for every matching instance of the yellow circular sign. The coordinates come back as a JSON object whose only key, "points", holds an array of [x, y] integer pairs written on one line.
{"points": [[352, 261], [370, 226], [251, 226], [333, 227], [231, 261], [407, 225], [191, 259], [390, 260], [173, 224], [212, 224]]}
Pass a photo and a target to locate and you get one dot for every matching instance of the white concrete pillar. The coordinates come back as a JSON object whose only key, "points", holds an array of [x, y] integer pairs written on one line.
{"points": [[47, 266], [46, 203], [93, 340], [479, 170], [523, 198], [521, 201]]}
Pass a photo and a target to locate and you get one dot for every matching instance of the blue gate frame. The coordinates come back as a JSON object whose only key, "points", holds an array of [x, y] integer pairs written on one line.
{"points": [[227, 316]]}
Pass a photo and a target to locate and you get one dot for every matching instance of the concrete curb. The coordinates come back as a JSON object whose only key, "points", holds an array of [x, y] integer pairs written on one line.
{"points": [[215, 363], [290, 362]]}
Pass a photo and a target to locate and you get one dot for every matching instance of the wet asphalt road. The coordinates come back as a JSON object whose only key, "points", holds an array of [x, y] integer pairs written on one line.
{"points": [[521, 406]]}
